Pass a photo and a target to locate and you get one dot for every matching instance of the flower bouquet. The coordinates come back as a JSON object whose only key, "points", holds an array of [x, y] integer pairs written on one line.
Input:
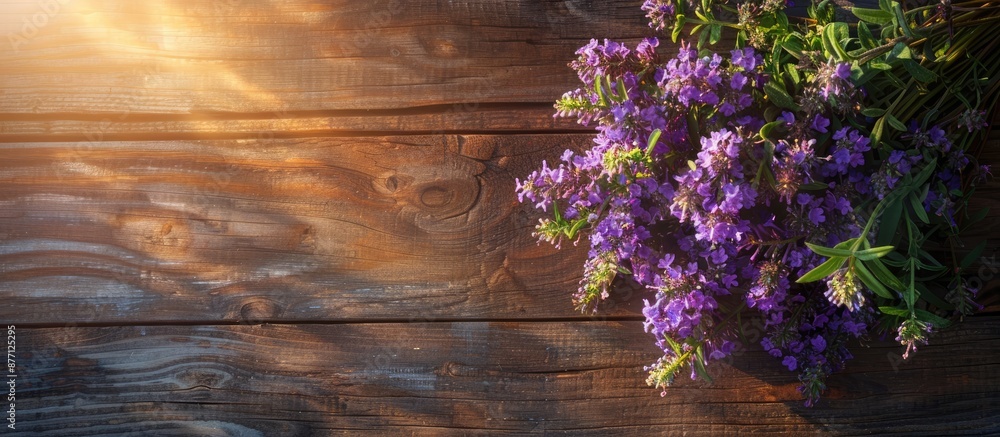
{"points": [[811, 173]]}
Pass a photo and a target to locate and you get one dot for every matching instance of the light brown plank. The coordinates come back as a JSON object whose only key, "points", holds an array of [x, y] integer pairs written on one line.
{"points": [[465, 118], [124, 57], [423, 227], [290, 229], [474, 378]]}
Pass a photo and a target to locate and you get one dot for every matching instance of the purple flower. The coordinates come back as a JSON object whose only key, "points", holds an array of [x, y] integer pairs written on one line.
{"points": [[818, 344], [790, 362], [843, 71], [788, 117], [816, 215], [738, 81], [820, 123]]}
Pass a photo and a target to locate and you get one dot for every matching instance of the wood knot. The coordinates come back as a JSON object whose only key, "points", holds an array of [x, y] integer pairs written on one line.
{"points": [[161, 237], [211, 378], [445, 43], [436, 197], [443, 47], [258, 311], [392, 183], [453, 369]]}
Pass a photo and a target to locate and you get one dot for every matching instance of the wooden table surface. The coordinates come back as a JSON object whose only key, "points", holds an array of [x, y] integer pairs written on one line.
{"points": [[257, 218]]}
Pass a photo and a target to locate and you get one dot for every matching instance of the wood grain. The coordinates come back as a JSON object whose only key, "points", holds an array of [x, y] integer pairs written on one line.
{"points": [[255, 230], [123, 57], [464, 378], [291, 229], [465, 118]]}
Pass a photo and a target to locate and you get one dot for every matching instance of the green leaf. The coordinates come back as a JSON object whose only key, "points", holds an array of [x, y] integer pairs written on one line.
{"points": [[883, 274], [925, 173], [865, 36], [934, 319], [777, 94], [932, 263], [918, 208], [703, 37], [599, 90], [833, 35], [716, 33], [678, 27], [577, 225], [622, 92], [894, 122], [873, 112], [793, 73], [558, 217], [699, 363], [900, 51], [829, 251], [900, 19], [823, 270], [873, 253], [876, 16], [879, 66], [651, 142], [846, 243], [765, 131], [889, 221], [793, 46], [972, 256], [893, 311], [878, 130], [919, 72], [910, 294], [869, 280]]}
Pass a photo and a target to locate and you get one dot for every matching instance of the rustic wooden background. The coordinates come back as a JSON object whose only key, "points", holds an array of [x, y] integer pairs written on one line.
{"points": [[255, 218]]}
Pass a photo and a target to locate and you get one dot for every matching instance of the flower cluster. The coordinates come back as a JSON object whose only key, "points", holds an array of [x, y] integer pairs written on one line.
{"points": [[727, 207]]}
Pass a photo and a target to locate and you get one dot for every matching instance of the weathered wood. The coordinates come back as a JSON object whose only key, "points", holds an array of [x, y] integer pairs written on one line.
{"points": [[466, 118], [190, 56], [290, 229], [287, 229], [583, 378]]}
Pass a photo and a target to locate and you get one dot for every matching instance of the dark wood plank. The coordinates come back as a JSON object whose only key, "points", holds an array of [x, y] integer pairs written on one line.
{"points": [[986, 272], [242, 56], [583, 378], [291, 229]]}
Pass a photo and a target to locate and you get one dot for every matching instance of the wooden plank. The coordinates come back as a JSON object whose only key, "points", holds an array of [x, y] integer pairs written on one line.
{"points": [[466, 118], [241, 56], [583, 378], [291, 229]]}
